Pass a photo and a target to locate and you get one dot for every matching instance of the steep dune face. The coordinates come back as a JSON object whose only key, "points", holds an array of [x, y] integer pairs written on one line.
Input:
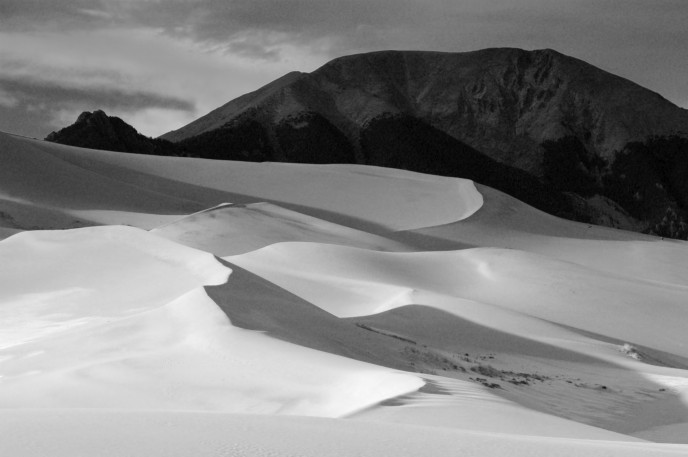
{"points": [[534, 285], [506, 319], [114, 317], [39, 190], [60, 186], [403, 200]]}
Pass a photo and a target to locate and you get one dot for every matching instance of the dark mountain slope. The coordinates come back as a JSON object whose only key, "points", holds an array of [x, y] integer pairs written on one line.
{"points": [[503, 102], [97, 130], [551, 130], [554, 124]]}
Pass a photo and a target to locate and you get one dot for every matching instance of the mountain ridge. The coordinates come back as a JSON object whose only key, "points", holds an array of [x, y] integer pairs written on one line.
{"points": [[549, 129], [461, 93]]}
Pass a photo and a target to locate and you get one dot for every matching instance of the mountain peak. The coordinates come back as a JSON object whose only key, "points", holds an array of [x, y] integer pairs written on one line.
{"points": [[87, 116], [510, 118], [502, 101], [97, 130]]}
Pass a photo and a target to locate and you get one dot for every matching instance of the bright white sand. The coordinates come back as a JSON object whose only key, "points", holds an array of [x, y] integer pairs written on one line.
{"points": [[514, 293], [350, 282], [507, 223], [154, 339], [133, 434], [115, 341]]}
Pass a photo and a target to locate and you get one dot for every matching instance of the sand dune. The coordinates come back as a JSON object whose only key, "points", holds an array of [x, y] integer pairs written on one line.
{"points": [[118, 433], [407, 314], [363, 196], [232, 229], [505, 222], [36, 186], [155, 339], [369, 282], [507, 302]]}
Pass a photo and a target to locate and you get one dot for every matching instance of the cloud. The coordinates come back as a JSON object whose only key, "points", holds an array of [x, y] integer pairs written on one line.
{"points": [[261, 27], [264, 28], [25, 15], [258, 28], [7, 100], [131, 73], [209, 51], [55, 106]]}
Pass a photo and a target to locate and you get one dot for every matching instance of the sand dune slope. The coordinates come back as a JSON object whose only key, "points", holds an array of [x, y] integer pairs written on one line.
{"points": [[407, 314], [505, 222], [127, 325], [364, 197], [86, 186], [41, 190], [560, 292], [232, 229], [136, 434], [564, 332]]}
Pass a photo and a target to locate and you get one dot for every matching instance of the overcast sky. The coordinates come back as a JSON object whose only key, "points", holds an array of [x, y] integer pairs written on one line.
{"points": [[160, 64]]}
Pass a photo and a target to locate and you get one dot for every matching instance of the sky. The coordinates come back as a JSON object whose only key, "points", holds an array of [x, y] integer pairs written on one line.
{"points": [[159, 64]]}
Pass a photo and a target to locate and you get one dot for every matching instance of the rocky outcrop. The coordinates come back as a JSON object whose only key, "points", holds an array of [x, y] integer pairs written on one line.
{"points": [[97, 130]]}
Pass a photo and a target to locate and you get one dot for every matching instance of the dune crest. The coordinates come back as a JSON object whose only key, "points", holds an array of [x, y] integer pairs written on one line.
{"points": [[392, 308]]}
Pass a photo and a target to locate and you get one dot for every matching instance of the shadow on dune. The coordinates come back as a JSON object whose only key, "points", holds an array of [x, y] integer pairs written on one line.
{"points": [[175, 194], [38, 175], [253, 303], [426, 340], [645, 354], [25, 216], [503, 216]]}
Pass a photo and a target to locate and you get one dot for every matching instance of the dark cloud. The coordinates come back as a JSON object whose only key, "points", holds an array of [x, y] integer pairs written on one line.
{"points": [[260, 27], [639, 39], [223, 19], [301, 21], [39, 14]]}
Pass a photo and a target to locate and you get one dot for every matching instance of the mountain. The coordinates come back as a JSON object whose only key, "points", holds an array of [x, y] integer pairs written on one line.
{"points": [[504, 102], [97, 130], [551, 130], [562, 135]]}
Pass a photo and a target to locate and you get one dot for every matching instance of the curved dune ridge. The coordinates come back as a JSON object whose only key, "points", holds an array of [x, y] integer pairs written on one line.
{"points": [[382, 198], [155, 339], [231, 229], [406, 314], [368, 282]]}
